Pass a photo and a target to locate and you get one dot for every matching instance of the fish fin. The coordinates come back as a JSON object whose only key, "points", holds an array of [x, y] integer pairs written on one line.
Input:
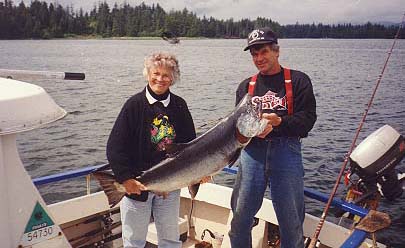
{"points": [[174, 149], [109, 186], [193, 190], [234, 158]]}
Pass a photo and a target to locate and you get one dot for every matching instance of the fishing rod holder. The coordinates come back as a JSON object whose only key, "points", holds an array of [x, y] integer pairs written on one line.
{"points": [[32, 75]]}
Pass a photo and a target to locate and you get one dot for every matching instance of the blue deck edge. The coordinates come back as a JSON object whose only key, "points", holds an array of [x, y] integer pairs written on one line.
{"points": [[65, 175], [354, 240]]}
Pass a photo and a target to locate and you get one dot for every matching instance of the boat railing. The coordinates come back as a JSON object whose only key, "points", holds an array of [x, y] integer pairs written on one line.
{"points": [[355, 239]]}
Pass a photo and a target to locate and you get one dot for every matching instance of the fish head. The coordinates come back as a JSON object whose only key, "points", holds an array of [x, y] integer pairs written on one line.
{"points": [[250, 122]]}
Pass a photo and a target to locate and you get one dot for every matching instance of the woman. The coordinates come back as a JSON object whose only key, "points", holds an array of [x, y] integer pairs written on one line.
{"points": [[147, 122]]}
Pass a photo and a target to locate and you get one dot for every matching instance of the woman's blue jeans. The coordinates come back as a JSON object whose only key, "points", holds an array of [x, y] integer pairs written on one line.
{"points": [[278, 163], [135, 217]]}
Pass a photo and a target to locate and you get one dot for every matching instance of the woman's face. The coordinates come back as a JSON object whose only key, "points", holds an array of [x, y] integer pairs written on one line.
{"points": [[160, 78]]}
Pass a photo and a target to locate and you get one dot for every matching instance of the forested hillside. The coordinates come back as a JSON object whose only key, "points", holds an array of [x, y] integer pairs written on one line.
{"points": [[41, 20]]}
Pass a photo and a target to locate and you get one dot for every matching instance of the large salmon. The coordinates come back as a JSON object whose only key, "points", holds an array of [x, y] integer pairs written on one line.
{"points": [[206, 155]]}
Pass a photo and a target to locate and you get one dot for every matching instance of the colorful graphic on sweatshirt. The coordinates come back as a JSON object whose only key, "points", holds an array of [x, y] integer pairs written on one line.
{"points": [[162, 132]]}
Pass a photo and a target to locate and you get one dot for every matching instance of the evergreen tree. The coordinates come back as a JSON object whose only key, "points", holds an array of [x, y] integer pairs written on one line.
{"points": [[40, 20]]}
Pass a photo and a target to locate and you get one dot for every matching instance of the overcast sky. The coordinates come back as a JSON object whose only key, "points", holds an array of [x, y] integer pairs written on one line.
{"points": [[282, 11]]}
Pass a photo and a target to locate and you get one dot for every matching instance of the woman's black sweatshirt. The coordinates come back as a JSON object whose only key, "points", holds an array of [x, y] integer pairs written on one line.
{"points": [[141, 130]]}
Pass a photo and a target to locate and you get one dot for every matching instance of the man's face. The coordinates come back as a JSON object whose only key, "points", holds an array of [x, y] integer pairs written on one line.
{"points": [[265, 59]]}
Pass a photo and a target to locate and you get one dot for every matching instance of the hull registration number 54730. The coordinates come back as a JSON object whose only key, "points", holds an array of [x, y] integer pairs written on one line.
{"points": [[38, 235], [40, 227]]}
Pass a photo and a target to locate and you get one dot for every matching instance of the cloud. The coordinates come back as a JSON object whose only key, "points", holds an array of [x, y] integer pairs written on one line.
{"points": [[282, 11]]}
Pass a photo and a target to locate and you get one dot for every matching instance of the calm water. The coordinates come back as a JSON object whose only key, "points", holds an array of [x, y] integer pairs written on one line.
{"points": [[343, 74]]}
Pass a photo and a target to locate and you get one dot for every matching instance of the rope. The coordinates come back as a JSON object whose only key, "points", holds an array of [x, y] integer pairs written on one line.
{"points": [[325, 211]]}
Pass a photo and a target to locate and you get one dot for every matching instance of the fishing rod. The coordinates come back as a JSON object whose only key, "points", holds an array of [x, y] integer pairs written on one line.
{"points": [[27, 74], [328, 204]]}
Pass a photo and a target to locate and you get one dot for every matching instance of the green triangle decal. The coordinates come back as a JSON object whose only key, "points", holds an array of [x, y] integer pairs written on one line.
{"points": [[39, 219]]}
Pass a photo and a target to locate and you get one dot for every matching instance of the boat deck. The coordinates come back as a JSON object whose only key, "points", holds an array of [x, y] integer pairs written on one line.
{"points": [[98, 223]]}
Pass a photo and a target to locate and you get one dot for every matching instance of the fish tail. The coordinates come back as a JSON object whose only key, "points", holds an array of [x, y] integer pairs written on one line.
{"points": [[109, 186], [193, 190]]}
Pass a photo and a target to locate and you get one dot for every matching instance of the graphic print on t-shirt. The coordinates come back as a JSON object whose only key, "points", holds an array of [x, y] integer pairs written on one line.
{"points": [[271, 101], [162, 132]]}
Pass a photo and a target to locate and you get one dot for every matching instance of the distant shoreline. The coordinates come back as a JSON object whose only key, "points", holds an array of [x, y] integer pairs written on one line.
{"points": [[43, 21], [99, 37]]}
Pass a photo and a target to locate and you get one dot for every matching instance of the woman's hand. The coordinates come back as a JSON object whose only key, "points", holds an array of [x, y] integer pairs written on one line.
{"points": [[133, 186], [162, 194], [206, 179]]}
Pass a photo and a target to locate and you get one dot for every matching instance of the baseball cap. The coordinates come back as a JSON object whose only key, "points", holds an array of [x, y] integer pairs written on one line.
{"points": [[261, 36]]}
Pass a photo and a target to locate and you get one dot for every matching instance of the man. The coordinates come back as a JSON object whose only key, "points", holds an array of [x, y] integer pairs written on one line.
{"points": [[274, 156]]}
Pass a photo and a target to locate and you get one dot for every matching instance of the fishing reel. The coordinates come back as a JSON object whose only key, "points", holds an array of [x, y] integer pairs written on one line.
{"points": [[374, 161]]}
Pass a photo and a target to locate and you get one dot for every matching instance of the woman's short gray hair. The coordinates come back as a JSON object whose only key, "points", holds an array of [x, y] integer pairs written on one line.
{"points": [[164, 59]]}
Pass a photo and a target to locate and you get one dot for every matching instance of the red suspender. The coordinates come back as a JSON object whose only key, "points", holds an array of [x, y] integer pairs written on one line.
{"points": [[288, 89], [252, 84]]}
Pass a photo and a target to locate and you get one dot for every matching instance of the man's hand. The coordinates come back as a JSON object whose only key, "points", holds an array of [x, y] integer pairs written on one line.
{"points": [[274, 121], [266, 131], [273, 118], [133, 186]]}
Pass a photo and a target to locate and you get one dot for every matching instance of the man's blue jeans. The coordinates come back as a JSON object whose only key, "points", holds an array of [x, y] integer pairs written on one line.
{"points": [[135, 217], [277, 162]]}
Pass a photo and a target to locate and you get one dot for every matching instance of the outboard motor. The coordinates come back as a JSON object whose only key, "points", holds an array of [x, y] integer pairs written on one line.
{"points": [[374, 161]]}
